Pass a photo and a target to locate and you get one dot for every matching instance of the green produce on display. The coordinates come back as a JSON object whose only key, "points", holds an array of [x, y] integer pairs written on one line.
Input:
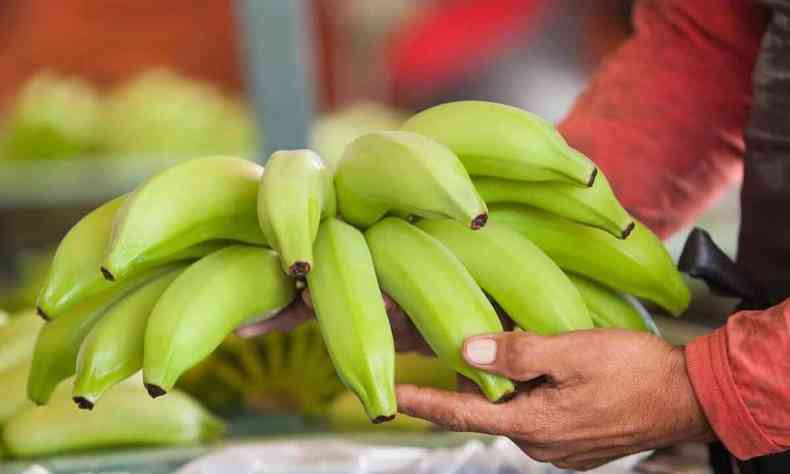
{"points": [[296, 193], [404, 172], [608, 309], [352, 317], [126, 417], [409, 221], [437, 292], [501, 141], [53, 117], [18, 338], [191, 203], [14, 397], [639, 265], [204, 304]]}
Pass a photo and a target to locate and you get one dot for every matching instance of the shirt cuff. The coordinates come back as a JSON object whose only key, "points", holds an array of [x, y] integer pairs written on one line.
{"points": [[709, 369]]}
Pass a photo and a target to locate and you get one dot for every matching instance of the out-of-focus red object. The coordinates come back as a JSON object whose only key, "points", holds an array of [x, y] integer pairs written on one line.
{"points": [[665, 121], [108, 41], [454, 37]]}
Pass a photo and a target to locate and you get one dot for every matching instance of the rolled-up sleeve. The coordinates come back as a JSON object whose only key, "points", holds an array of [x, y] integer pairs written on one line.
{"points": [[741, 377], [664, 117]]}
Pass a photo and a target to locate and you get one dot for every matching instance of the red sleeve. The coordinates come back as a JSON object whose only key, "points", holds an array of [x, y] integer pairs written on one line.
{"points": [[741, 376], [664, 117]]}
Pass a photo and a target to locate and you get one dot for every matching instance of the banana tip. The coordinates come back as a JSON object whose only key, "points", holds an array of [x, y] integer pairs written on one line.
{"points": [[107, 274], [299, 269], [506, 397], [628, 229], [83, 403], [43, 314], [593, 175], [382, 419], [479, 221], [154, 390]]}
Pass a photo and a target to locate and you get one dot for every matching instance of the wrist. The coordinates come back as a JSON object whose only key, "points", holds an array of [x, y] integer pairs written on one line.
{"points": [[689, 423]]}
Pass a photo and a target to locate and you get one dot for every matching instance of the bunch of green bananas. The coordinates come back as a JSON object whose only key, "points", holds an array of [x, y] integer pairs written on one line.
{"points": [[128, 415], [157, 279]]}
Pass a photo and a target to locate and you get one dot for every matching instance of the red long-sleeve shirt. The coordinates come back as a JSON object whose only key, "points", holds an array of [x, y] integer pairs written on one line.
{"points": [[664, 119]]}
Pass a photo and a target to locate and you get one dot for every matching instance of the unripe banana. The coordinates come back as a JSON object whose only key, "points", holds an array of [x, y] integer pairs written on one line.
{"points": [[127, 416], [403, 172], [501, 141], [638, 265], [352, 317], [58, 342], [18, 338], [190, 203], [113, 350], [523, 280], [607, 308], [296, 193], [437, 293], [205, 304], [14, 396], [75, 275], [596, 206]]}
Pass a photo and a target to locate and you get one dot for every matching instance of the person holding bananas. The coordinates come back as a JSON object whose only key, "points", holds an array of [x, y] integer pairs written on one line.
{"points": [[665, 120]]}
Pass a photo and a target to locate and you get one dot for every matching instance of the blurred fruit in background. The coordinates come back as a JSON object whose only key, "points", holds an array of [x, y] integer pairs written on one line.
{"points": [[52, 117], [162, 113]]}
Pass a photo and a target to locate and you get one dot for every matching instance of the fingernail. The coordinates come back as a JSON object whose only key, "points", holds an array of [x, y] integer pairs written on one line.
{"points": [[481, 351]]}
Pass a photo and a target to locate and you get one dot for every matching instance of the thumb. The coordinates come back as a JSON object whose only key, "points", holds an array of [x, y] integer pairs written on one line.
{"points": [[517, 355]]}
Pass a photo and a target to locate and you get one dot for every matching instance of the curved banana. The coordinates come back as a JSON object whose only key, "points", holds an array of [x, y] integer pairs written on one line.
{"points": [[18, 338], [437, 293], [187, 204], [353, 321], [205, 304], [74, 274], [638, 265], [596, 206], [522, 279], [127, 416], [296, 192], [501, 141], [14, 396], [113, 350], [607, 308], [58, 342], [404, 172]]}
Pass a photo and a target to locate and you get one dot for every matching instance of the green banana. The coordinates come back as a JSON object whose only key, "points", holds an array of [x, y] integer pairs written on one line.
{"points": [[596, 206], [296, 193], [14, 397], [404, 172], [607, 308], [501, 141], [345, 415], [352, 317], [638, 265], [113, 350], [205, 304], [522, 279], [3, 318], [437, 293], [190, 203], [126, 417], [74, 273], [58, 342], [18, 337]]}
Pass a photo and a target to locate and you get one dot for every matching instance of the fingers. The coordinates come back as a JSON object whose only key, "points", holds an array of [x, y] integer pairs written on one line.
{"points": [[293, 315], [455, 411], [517, 355], [407, 337]]}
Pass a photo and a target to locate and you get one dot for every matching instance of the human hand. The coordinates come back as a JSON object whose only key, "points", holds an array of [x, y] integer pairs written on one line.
{"points": [[407, 338], [586, 398]]}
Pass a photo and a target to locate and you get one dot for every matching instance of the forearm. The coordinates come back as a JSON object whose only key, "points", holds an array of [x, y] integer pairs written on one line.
{"points": [[664, 118]]}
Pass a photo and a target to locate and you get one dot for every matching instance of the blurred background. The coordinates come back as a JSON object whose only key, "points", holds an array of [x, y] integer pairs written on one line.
{"points": [[96, 95]]}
